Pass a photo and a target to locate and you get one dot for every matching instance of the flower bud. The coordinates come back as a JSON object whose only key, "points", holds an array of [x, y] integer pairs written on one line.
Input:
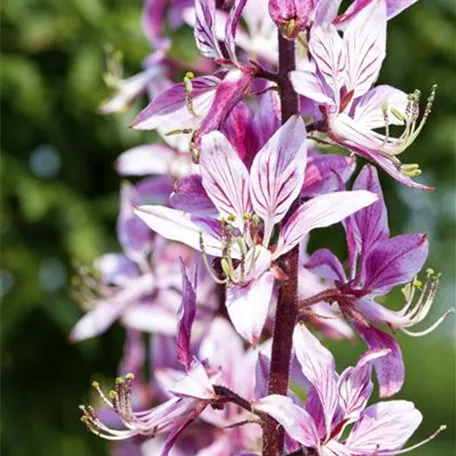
{"points": [[291, 16]]}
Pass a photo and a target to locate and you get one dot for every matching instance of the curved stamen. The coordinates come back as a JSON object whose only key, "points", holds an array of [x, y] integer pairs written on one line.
{"points": [[206, 263], [414, 447]]}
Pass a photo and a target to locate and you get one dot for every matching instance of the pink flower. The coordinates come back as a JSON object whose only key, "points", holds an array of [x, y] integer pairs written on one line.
{"points": [[345, 70], [336, 401], [244, 198]]}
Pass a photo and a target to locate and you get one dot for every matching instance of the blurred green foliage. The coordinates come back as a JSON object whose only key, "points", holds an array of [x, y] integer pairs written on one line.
{"points": [[59, 203]]}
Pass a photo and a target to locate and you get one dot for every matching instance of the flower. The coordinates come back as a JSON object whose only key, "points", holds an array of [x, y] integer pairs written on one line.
{"points": [[242, 199], [336, 401], [345, 69], [378, 263]]}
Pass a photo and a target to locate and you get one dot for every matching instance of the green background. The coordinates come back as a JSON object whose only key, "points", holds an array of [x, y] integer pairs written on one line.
{"points": [[59, 200]]}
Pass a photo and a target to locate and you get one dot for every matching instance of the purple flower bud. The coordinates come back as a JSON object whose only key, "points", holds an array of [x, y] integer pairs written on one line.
{"points": [[291, 16]]}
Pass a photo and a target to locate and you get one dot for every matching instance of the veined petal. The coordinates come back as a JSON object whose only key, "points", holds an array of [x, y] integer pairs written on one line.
{"points": [[238, 130], [267, 119], [326, 47], [190, 196], [224, 176], [369, 225], [324, 173], [395, 261], [388, 166], [326, 265], [231, 28], [294, 419], [308, 84], [183, 227], [320, 212], [185, 317], [355, 385], [277, 173], [365, 47], [326, 11], [248, 306], [384, 426], [370, 109], [169, 111], [146, 159], [319, 367], [390, 368], [393, 8], [228, 94], [205, 31]]}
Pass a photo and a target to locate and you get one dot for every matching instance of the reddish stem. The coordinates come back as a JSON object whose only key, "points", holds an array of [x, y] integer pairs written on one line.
{"points": [[287, 305]]}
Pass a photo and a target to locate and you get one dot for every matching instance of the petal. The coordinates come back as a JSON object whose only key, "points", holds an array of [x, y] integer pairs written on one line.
{"points": [[238, 130], [116, 268], [204, 30], [168, 111], [134, 236], [224, 177], [369, 225], [365, 47], [106, 311], [327, 49], [294, 419], [146, 159], [355, 385], [267, 118], [277, 173], [195, 384], [153, 20], [390, 368], [189, 196], [393, 8], [228, 94], [248, 306], [321, 212], [388, 166], [186, 316], [319, 367], [129, 89], [308, 84], [369, 110], [231, 28], [324, 173], [221, 334], [183, 227], [326, 11], [326, 265], [384, 426], [395, 261]]}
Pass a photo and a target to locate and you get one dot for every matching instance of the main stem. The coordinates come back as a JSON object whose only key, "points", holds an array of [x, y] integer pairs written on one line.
{"points": [[287, 305]]}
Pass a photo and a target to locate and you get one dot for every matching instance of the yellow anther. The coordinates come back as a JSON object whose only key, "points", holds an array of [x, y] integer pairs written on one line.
{"points": [[410, 170], [396, 113], [231, 218], [112, 394], [226, 267], [417, 284], [130, 376], [95, 384], [189, 75]]}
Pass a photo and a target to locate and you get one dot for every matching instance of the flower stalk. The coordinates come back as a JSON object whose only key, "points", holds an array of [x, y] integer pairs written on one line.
{"points": [[287, 305]]}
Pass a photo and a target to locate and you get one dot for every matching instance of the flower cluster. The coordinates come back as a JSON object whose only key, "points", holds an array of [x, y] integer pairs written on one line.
{"points": [[214, 286]]}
